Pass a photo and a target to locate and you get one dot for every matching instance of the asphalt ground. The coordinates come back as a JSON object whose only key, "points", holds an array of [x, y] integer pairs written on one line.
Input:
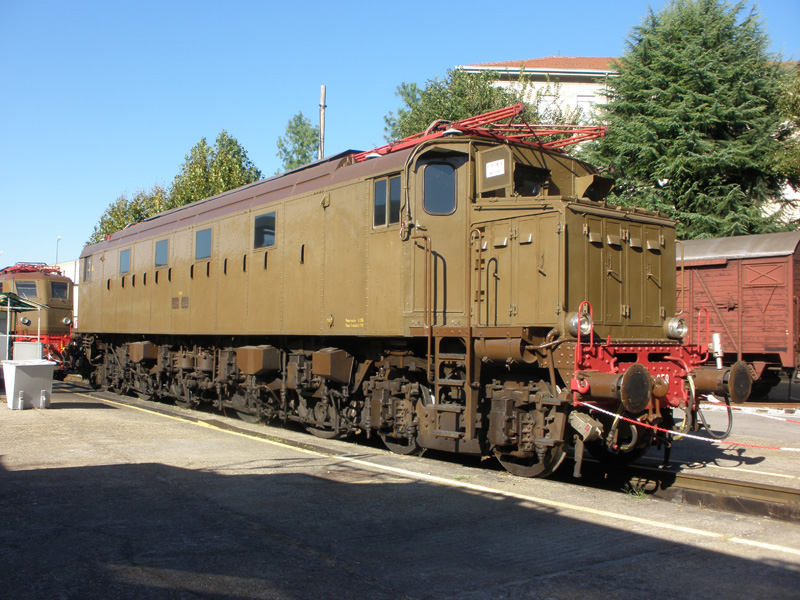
{"points": [[109, 497]]}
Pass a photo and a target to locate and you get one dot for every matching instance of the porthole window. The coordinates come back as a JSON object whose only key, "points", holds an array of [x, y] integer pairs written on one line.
{"points": [[439, 189]]}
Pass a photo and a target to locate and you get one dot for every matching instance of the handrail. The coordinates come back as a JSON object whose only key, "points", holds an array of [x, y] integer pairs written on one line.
{"points": [[683, 280], [428, 295], [472, 237]]}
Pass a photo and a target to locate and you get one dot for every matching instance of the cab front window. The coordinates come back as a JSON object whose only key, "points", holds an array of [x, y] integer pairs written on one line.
{"points": [[439, 189]]}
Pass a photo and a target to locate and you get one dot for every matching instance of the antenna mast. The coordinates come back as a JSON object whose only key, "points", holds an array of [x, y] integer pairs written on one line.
{"points": [[322, 106]]}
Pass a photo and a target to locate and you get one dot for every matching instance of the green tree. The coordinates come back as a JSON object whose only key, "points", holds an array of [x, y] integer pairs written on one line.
{"points": [[126, 211], [299, 145], [787, 160], [461, 94], [208, 171], [693, 119]]}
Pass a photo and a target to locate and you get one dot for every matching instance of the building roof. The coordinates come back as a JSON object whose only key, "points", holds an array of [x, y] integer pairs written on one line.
{"points": [[551, 64], [745, 246]]}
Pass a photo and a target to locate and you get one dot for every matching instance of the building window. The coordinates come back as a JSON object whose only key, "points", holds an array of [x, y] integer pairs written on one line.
{"points": [[202, 244], [162, 253], [124, 261], [264, 231], [386, 201], [439, 189]]}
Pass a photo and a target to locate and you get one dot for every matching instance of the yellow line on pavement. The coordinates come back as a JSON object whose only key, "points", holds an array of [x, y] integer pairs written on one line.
{"points": [[479, 488]]}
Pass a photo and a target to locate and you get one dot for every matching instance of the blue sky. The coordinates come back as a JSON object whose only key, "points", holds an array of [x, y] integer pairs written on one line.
{"points": [[101, 98]]}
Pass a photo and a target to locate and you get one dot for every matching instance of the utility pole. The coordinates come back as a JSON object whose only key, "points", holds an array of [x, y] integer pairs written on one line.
{"points": [[322, 106]]}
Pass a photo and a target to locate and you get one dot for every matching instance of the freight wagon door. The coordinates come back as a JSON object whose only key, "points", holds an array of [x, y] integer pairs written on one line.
{"points": [[440, 192]]}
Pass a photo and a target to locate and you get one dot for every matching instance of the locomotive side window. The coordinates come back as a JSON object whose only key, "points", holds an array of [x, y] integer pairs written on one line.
{"points": [[162, 253], [202, 245], [386, 194], [26, 289], [87, 268], [264, 231], [124, 261], [58, 290], [439, 189]]}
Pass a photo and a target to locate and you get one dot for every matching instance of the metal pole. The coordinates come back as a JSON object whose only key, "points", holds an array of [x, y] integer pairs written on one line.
{"points": [[57, 241], [322, 106]]}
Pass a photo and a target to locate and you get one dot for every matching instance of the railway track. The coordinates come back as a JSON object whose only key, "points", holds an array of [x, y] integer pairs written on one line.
{"points": [[743, 497]]}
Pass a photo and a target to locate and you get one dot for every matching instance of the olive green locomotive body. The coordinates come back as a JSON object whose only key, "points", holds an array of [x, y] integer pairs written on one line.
{"points": [[434, 295]]}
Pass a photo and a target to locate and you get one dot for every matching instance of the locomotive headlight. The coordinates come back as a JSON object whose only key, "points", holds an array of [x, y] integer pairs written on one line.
{"points": [[25, 321], [676, 328], [583, 320], [67, 321]]}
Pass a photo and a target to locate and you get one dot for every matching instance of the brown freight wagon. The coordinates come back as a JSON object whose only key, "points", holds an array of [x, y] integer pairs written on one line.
{"points": [[750, 286]]}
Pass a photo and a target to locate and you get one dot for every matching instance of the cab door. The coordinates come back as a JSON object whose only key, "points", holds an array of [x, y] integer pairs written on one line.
{"points": [[440, 223]]}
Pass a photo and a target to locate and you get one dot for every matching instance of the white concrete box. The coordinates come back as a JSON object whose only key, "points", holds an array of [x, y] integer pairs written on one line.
{"points": [[29, 383]]}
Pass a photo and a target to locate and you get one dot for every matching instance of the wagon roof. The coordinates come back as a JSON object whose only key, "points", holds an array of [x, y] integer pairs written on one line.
{"points": [[744, 246]]}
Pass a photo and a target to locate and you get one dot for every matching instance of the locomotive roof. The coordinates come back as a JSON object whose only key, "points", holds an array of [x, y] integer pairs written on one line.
{"points": [[316, 175], [330, 171], [743, 246]]}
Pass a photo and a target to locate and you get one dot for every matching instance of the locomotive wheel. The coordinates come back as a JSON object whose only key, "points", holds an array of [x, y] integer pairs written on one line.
{"points": [[248, 418], [531, 466], [633, 442], [323, 414], [143, 395], [238, 399], [401, 445], [324, 433], [187, 400]]}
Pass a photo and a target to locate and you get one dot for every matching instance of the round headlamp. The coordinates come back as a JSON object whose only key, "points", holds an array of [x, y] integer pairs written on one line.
{"points": [[583, 321]]}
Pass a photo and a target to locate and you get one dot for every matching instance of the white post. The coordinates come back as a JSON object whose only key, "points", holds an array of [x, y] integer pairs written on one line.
{"points": [[322, 106]]}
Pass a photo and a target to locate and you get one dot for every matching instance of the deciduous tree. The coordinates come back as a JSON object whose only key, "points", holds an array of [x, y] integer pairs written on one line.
{"points": [[125, 211], [208, 171], [299, 145]]}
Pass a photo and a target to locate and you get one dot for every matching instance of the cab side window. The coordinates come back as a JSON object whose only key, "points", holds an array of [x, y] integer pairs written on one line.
{"points": [[386, 201], [439, 189]]}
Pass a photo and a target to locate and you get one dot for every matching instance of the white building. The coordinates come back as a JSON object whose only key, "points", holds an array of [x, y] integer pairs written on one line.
{"points": [[581, 78]]}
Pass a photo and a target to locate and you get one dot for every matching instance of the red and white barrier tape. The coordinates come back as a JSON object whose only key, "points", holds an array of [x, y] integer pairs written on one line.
{"points": [[712, 400], [679, 434]]}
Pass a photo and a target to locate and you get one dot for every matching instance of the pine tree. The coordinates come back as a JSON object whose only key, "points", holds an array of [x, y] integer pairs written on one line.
{"points": [[692, 120]]}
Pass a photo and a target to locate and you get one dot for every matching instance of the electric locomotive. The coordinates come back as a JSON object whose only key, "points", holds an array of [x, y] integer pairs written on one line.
{"points": [[45, 285], [467, 289]]}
